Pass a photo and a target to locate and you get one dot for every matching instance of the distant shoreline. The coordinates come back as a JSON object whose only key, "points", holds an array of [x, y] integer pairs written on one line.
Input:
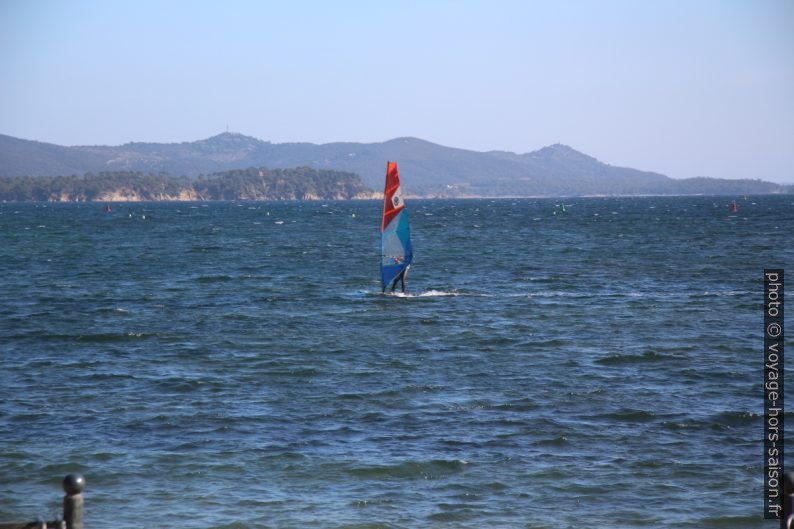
{"points": [[367, 198]]}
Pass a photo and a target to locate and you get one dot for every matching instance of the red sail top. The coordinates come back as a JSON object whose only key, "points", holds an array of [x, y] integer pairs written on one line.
{"points": [[392, 195]]}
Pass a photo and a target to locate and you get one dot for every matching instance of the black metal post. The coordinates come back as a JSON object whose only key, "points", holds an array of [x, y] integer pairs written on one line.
{"points": [[73, 486]]}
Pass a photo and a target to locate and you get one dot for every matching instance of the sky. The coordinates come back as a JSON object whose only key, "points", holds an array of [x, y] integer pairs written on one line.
{"points": [[685, 88]]}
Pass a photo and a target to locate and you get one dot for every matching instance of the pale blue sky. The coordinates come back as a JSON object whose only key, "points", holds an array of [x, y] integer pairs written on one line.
{"points": [[684, 88]]}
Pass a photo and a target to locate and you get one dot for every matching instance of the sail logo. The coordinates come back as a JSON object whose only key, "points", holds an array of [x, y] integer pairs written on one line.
{"points": [[397, 198]]}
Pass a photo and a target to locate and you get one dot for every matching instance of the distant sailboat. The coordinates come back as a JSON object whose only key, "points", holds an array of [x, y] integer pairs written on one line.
{"points": [[396, 252]]}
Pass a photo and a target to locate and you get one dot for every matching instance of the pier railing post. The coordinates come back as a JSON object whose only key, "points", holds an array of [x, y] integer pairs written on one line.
{"points": [[73, 486]]}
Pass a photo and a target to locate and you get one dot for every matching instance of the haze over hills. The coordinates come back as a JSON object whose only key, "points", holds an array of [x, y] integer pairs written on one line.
{"points": [[426, 168]]}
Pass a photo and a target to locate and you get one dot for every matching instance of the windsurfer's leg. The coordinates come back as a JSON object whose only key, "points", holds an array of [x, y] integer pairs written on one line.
{"points": [[394, 283]]}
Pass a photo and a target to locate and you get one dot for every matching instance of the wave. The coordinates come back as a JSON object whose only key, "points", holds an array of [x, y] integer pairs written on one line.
{"points": [[629, 415], [737, 418], [219, 278], [112, 310], [367, 525], [647, 356], [708, 294], [556, 441], [533, 294], [432, 469], [427, 294], [725, 521], [721, 421], [87, 338], [432, 293]]}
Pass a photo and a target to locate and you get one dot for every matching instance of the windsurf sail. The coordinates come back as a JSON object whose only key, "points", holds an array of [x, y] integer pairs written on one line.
{"points": [[396, 252]]}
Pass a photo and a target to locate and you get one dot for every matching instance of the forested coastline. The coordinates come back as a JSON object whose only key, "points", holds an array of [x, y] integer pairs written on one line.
{"points": [[255, 183]]}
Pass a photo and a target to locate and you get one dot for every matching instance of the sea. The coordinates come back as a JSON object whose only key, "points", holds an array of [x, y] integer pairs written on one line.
{"points": [[553, 363]]}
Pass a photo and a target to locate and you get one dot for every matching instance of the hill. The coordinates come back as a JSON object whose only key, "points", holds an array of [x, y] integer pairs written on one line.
{"points": [[426, 168]]}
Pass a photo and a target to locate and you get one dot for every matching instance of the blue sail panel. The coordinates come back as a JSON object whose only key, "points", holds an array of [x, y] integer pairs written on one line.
{"points": [[396, 250]]}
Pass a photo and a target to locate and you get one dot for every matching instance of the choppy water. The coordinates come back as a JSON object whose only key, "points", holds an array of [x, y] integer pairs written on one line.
{"points": [[235, 365]]}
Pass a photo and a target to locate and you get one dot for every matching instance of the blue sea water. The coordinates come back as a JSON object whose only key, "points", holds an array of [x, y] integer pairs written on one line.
{"points": [[234, 365]]}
